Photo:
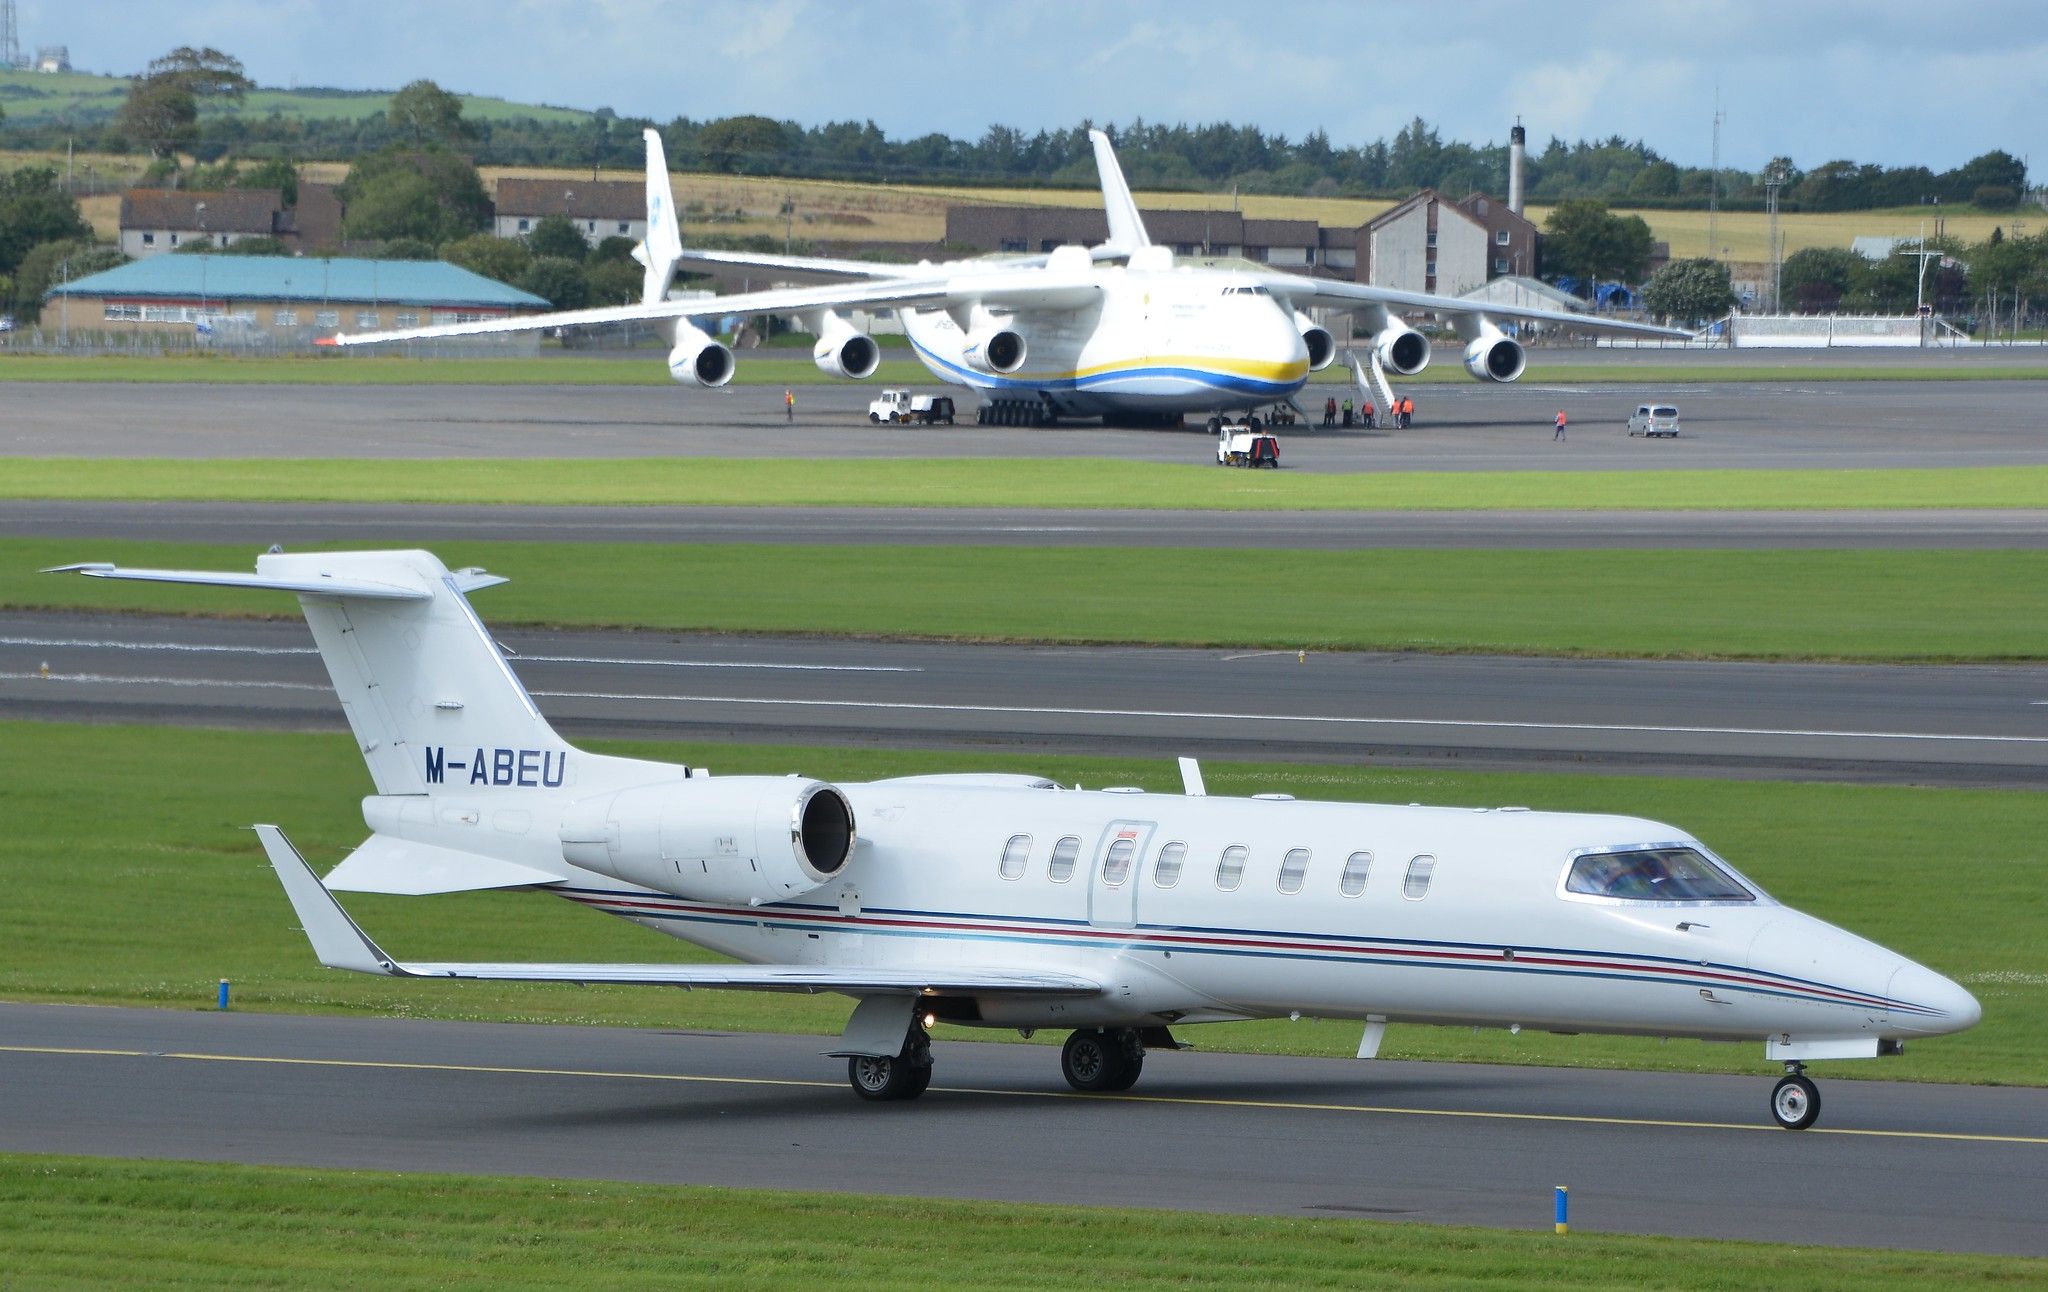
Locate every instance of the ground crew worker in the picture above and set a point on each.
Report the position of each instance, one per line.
(1347, 410)
(1330, 411)
(1407, 412)
(788, 404)
(1367, 414)
(1560, 425)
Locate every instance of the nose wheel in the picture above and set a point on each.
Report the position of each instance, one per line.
(1795, 1100)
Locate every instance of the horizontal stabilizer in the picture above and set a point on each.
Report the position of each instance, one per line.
(318, 585)
(387, 865)
(340, 944)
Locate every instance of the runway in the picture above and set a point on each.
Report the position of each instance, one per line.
(1891, 1165)
(379, 524)
(1955, 725)
(1462, 426)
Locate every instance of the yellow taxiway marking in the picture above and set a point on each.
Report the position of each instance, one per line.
(1192, 1101)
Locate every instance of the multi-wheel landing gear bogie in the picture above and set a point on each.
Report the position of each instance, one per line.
(1103, 1060)
(1016, 412)
(1795, 1100)
(904, 1076)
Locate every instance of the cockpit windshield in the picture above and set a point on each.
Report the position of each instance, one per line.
(1655, 875)
(1246, 291)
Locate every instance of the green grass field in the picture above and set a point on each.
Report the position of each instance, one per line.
(68, 1222)
(30, 97)
(777, 368)
(131, 879)
(1068, 483)
(1855, 605)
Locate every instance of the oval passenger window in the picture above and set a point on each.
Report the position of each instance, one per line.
(1416, 885)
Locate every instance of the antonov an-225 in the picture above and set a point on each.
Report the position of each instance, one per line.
(1117, 331)
(1011, 902)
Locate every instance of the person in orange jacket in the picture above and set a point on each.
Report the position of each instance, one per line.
(1560, 422)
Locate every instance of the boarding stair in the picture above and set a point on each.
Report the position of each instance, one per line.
(1372, 382)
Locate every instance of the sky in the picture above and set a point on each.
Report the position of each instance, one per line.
(1871, 80)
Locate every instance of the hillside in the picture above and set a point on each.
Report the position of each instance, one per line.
(29, 97)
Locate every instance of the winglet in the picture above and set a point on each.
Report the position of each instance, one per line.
(335, 937)
(1126, 227)
(663, 245)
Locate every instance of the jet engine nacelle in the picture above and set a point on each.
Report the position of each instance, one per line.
(1495, 356)
(737, 839)
(844, 351)
(1322, 347)
(1402, 350)
(999, 350)
(699, 359)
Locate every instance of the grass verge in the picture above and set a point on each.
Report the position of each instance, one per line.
(132, 880)
(1858, 605)
(1067, 483)
(85, 1222)
(756, 369)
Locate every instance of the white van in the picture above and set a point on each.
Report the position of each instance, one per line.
(1653, 420)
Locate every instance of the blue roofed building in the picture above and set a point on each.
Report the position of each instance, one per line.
(282, 300)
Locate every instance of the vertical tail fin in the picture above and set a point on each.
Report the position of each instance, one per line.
(425, 689)
(664, 244)
(1126, 227)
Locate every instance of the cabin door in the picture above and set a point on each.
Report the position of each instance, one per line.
(1113, 884)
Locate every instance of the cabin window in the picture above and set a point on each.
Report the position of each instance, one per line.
(1116, 867)
(1230, 867)
(1415, 886)
(1293, 867)
(1654, 875)
(1015, 853)
(1166, 870)
(1357, 867)
(1064, 854)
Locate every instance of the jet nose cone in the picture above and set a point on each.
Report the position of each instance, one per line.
(1924, 1001)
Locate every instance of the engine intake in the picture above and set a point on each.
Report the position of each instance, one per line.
(997, 350)
(844, 351)
(1402, 350)
(738, 839)
(698, 358)
(1494, 356)
(1321, 346)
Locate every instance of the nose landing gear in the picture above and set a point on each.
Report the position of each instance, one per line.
(1795, 1100)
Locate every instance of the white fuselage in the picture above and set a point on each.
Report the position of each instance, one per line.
(1158, 341)
(1490, 937)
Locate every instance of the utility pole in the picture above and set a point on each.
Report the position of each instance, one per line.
(10, 36)
(1714, 184)
(1774, 178)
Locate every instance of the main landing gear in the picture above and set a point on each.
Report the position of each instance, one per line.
(904, 1076)
(1016, 412)
(1103, 1060)
(1795, 1100)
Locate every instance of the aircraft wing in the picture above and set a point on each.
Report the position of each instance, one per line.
(341, 944)
(1334, 294)
(1021, 289)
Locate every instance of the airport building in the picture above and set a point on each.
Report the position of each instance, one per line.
(599, 209)
(1429, 243)
(281, 300)
(157, 220)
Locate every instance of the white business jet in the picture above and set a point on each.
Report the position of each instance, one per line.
(1009, 901)
(1118, 331)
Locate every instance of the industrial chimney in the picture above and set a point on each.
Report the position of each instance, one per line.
(1518, 147)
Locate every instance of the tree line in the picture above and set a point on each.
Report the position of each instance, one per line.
(163, 114)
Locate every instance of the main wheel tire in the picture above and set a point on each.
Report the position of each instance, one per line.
(1795, 1103)
(1134, 1064)
(1093, 1062)
(883, 1079)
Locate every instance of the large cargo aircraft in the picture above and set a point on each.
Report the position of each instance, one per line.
(1119, 331)
(1006, 901)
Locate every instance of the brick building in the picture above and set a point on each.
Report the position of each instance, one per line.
(599, 209)
(157, 220)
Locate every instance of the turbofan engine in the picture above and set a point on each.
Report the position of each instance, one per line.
(699, 359)
(999, 350)
(737, 839)
(844, 351)
(1495, 356)
(1322, 347)
(1402, 350)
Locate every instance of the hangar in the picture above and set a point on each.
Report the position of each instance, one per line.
(279, 299)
